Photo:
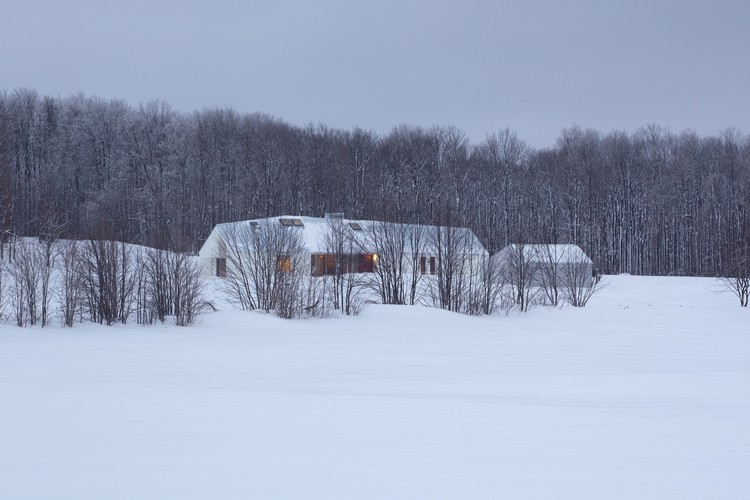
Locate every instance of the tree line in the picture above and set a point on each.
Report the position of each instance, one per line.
(648, 202)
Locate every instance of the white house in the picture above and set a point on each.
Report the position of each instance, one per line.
(561, 262)
(366, 243)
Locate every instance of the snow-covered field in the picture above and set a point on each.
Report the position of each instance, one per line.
(643, 394)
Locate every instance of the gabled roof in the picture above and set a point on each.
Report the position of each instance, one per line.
(546, 252)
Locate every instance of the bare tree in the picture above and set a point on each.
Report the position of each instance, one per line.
(263, 265)
(549, 269)
(739, 286)
(188, 286)
(109, 272)
(455, 271)
(31, 271)
(400, 248)
(3, 274)
(235, 254)
(158, 286)
(578, 283)
(70, 291)
(737, 279)
(485, 286)
(344, 248)
(47, 257)
(518, 272)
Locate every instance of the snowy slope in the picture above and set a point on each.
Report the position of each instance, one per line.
(643, 394)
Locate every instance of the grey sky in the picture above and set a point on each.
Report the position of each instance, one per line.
(533, 66)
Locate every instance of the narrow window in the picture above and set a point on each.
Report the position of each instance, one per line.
(423, 265)
(329, 268)
(283, 263)
(319, 264)
(432, 265)
(221, 267)
(366, 263)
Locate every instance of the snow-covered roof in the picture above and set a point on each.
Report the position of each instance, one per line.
(315, 229)
(547, 252)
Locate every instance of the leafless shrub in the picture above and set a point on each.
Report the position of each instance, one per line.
(347, 282)
(188, 289)
(265, 267)
(108, 274)
(485, 286)
(3, 273)
(578, 284)
(739, 286)
(400, 248)
(172, 285)
(456, 270)
(30, 271)
(548, 273)
(518, 273)
(70, 291)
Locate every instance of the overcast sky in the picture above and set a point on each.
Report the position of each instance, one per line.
(533, 66)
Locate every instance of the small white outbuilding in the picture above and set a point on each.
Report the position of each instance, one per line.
(561, 262)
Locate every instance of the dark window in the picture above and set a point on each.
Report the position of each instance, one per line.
(432, 265)
(423, 265)
(298, 223)
(356, 226)
(286, 222)
(221, 268)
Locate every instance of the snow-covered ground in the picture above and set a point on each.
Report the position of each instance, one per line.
(643, 394)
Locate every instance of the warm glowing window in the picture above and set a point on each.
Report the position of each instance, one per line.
(283, 263)
(329, 264)
(366, 262)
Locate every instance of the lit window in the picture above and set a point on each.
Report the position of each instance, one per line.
(286, 222)
(283, 263)
(297, 223)
(366, 262)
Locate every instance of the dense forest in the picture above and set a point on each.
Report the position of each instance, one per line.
(648, 202)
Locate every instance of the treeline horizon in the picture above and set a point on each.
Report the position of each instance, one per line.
(648, 202)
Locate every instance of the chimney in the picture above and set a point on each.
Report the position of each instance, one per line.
(334, 215)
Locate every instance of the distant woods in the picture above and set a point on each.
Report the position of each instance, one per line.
(650, 202)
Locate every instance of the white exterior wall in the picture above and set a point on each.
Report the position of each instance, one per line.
(313, 231)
